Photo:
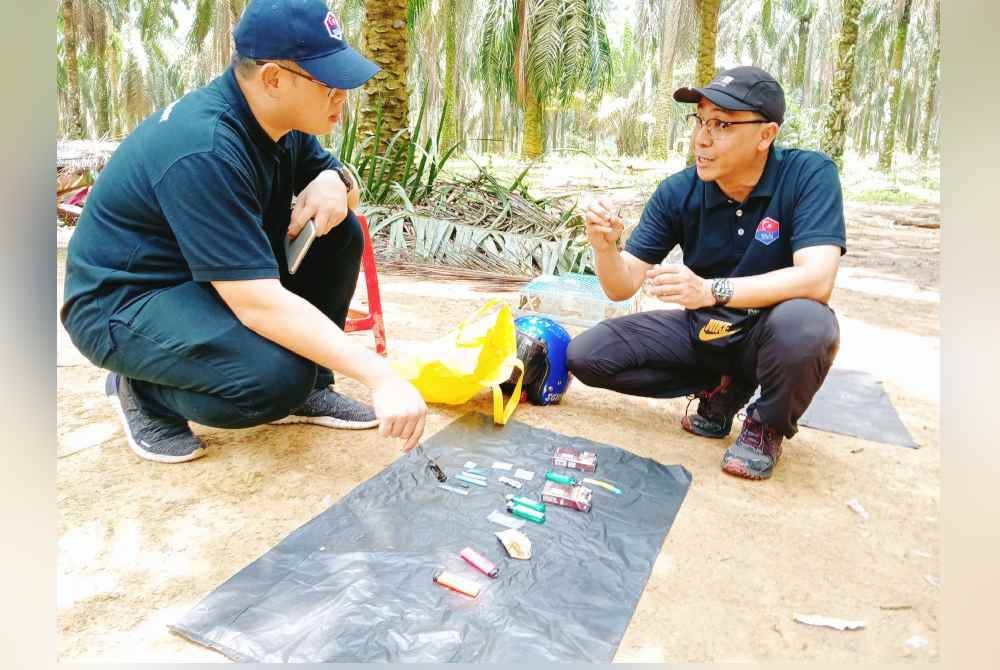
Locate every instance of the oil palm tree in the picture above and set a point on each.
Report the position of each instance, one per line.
(540, 51)
(386, 42)
(74, 113)
(932, 72)
(895, 82)
(836, 121)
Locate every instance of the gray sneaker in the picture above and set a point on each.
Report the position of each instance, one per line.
(326, 407)
(155, 438)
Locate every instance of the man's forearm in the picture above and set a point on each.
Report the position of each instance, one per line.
(614, 275)
(292, 322)
(779, 285)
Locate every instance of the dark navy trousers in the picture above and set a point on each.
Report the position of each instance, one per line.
(787, 353)
(187, 354)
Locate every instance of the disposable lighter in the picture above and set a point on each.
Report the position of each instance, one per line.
(479, 562)
(457, 583)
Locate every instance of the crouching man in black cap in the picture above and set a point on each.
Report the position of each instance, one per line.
(762, 231)
(176, 277)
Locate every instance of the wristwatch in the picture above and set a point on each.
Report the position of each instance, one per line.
(722, 290)
(345, 176)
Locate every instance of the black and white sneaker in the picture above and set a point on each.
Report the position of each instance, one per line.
(155, 438)
(326, 407)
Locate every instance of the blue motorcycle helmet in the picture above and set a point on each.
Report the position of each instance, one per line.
(541, 345)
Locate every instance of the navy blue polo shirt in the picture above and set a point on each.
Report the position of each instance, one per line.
(197, 192)
(796, 204)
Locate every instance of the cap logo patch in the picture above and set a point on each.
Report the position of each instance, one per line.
(333, 27)
(723, 81)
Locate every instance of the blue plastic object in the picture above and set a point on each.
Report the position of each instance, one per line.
(546, 384)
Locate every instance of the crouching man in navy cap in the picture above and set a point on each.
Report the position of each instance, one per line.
(176, 278)
(762, 231)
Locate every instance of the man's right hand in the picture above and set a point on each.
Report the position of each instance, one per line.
(401, 411)
(603, 226)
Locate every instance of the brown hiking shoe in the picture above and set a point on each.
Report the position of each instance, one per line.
(716, 409)
(755, 452)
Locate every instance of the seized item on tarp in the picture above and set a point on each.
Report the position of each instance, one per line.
(526, 475)
(474, 475)
(572, 298)
(568, 457)
(526, 512)
(505, 520)
(455, 489)
(481, 353)
(469, 465)
(500, 465)
(516, 543)
(560, 479)
(525, 502)
(432, 465)
(510, 482)
(462, 477)
(479, 562)
(828, 622)
(574, 497)
(607, 486)
(458, 583)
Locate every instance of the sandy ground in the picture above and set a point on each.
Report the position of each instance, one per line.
(141, 543)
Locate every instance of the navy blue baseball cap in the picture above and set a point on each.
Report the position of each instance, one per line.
(744, 88)
(306, 32)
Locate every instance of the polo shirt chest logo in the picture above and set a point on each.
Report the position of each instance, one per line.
(768, 230)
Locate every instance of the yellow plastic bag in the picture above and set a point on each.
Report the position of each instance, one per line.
(480, 353)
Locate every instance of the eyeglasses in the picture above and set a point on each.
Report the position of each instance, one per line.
(330, 92)
(717, 129)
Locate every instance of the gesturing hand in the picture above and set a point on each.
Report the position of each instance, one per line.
(603, 226)
(679, 285)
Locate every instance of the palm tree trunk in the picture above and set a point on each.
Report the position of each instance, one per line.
(708, 30)
(534, 131)
(835, 129)
(932, 73)
(450, 134)
(387, 44)
(895, 81)
(74, 121)
(663, 103)
(799, 76)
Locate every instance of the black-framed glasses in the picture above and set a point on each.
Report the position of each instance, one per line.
(329, 90)
(717, 128)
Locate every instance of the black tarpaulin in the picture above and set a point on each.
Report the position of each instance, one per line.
(355, 583)
(854, 403)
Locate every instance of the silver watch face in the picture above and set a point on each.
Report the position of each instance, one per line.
(722, 290)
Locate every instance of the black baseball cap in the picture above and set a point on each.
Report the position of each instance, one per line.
(306, 32)
(741, 88)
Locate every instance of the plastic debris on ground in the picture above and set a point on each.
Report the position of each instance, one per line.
(370, 594)
(856, 506)
(828, 622)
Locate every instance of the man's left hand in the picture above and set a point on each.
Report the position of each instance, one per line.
(677, 284)
(324, 200)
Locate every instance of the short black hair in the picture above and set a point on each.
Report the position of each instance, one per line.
(243, 65)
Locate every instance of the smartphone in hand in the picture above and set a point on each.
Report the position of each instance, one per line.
(295, 250)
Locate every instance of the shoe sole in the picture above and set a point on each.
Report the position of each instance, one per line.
(328, 422)
(149, 455)
(738, 468)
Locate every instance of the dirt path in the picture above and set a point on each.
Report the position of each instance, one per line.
(140, 543)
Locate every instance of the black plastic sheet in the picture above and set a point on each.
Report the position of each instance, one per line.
(852, 402)
(355, 583)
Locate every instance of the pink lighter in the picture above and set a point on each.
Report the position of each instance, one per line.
(479, 562)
